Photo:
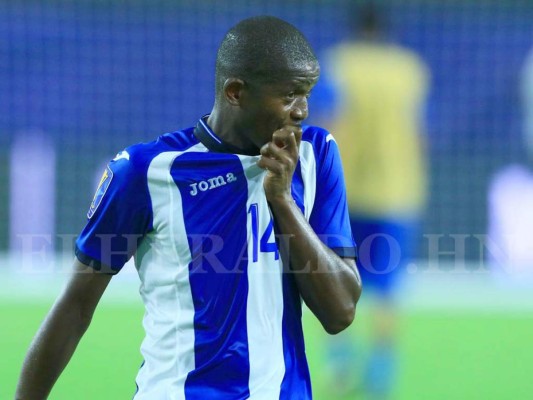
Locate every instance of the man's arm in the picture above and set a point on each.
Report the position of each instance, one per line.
(329, 284)
(61, 332)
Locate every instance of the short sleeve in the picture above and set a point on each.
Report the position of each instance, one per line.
(118, 218)
(329, 217)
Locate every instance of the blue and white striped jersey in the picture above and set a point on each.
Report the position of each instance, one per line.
(222, 320)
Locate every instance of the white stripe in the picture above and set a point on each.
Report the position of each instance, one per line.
(264, 309)
(330, 137)
(162, 262)
(308, 168)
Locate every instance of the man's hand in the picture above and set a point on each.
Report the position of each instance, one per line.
(329, 284)
(279, 157)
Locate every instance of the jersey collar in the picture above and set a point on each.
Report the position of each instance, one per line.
(209, 139)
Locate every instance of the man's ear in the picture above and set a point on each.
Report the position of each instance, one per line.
(233, 90)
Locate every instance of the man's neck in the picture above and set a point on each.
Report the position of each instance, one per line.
(227, 129)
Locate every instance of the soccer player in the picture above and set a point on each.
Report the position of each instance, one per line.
(510, 202)
(381, 89)
(231, 223)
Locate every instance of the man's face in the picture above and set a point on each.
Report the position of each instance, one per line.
(270, 106)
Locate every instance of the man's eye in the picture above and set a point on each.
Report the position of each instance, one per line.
(291, 95)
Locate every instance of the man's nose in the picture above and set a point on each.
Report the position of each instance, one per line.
(300, 109)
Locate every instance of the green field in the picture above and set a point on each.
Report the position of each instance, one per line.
(442, 355)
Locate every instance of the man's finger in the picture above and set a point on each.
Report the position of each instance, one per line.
(270, 165)
(280, 155)
(288, 139)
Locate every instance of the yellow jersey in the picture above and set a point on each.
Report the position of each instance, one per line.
(382, 91)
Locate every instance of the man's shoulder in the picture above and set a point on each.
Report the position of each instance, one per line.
(140, 155)
(315, 134)
(318, 137)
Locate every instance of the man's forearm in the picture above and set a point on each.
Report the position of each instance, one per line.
(329, 285)
(50, 351)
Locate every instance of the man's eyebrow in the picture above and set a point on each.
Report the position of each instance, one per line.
(300, 82)
(295, 86)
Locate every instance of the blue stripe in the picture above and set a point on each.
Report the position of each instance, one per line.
(217, 273)
(296, 384)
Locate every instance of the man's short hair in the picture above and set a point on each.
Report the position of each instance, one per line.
(261, 48)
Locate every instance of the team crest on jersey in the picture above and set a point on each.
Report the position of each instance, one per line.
(100, 191)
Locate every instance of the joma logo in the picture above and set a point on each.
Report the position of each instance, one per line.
(211, 183)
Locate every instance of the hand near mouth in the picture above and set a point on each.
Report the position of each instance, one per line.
(279, 157)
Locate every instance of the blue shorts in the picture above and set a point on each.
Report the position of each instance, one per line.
(385, 247)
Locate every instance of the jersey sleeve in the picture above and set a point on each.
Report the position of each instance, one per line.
(329, 217)
(118, 218)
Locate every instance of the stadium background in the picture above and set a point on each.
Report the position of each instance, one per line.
(91, 77)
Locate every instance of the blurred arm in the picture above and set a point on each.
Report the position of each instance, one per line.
(60, 333)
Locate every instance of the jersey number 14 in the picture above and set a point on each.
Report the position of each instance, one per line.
(264, 244)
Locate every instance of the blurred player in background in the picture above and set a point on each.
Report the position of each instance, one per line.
(510, 202)
(204, 210)
(379, 91)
